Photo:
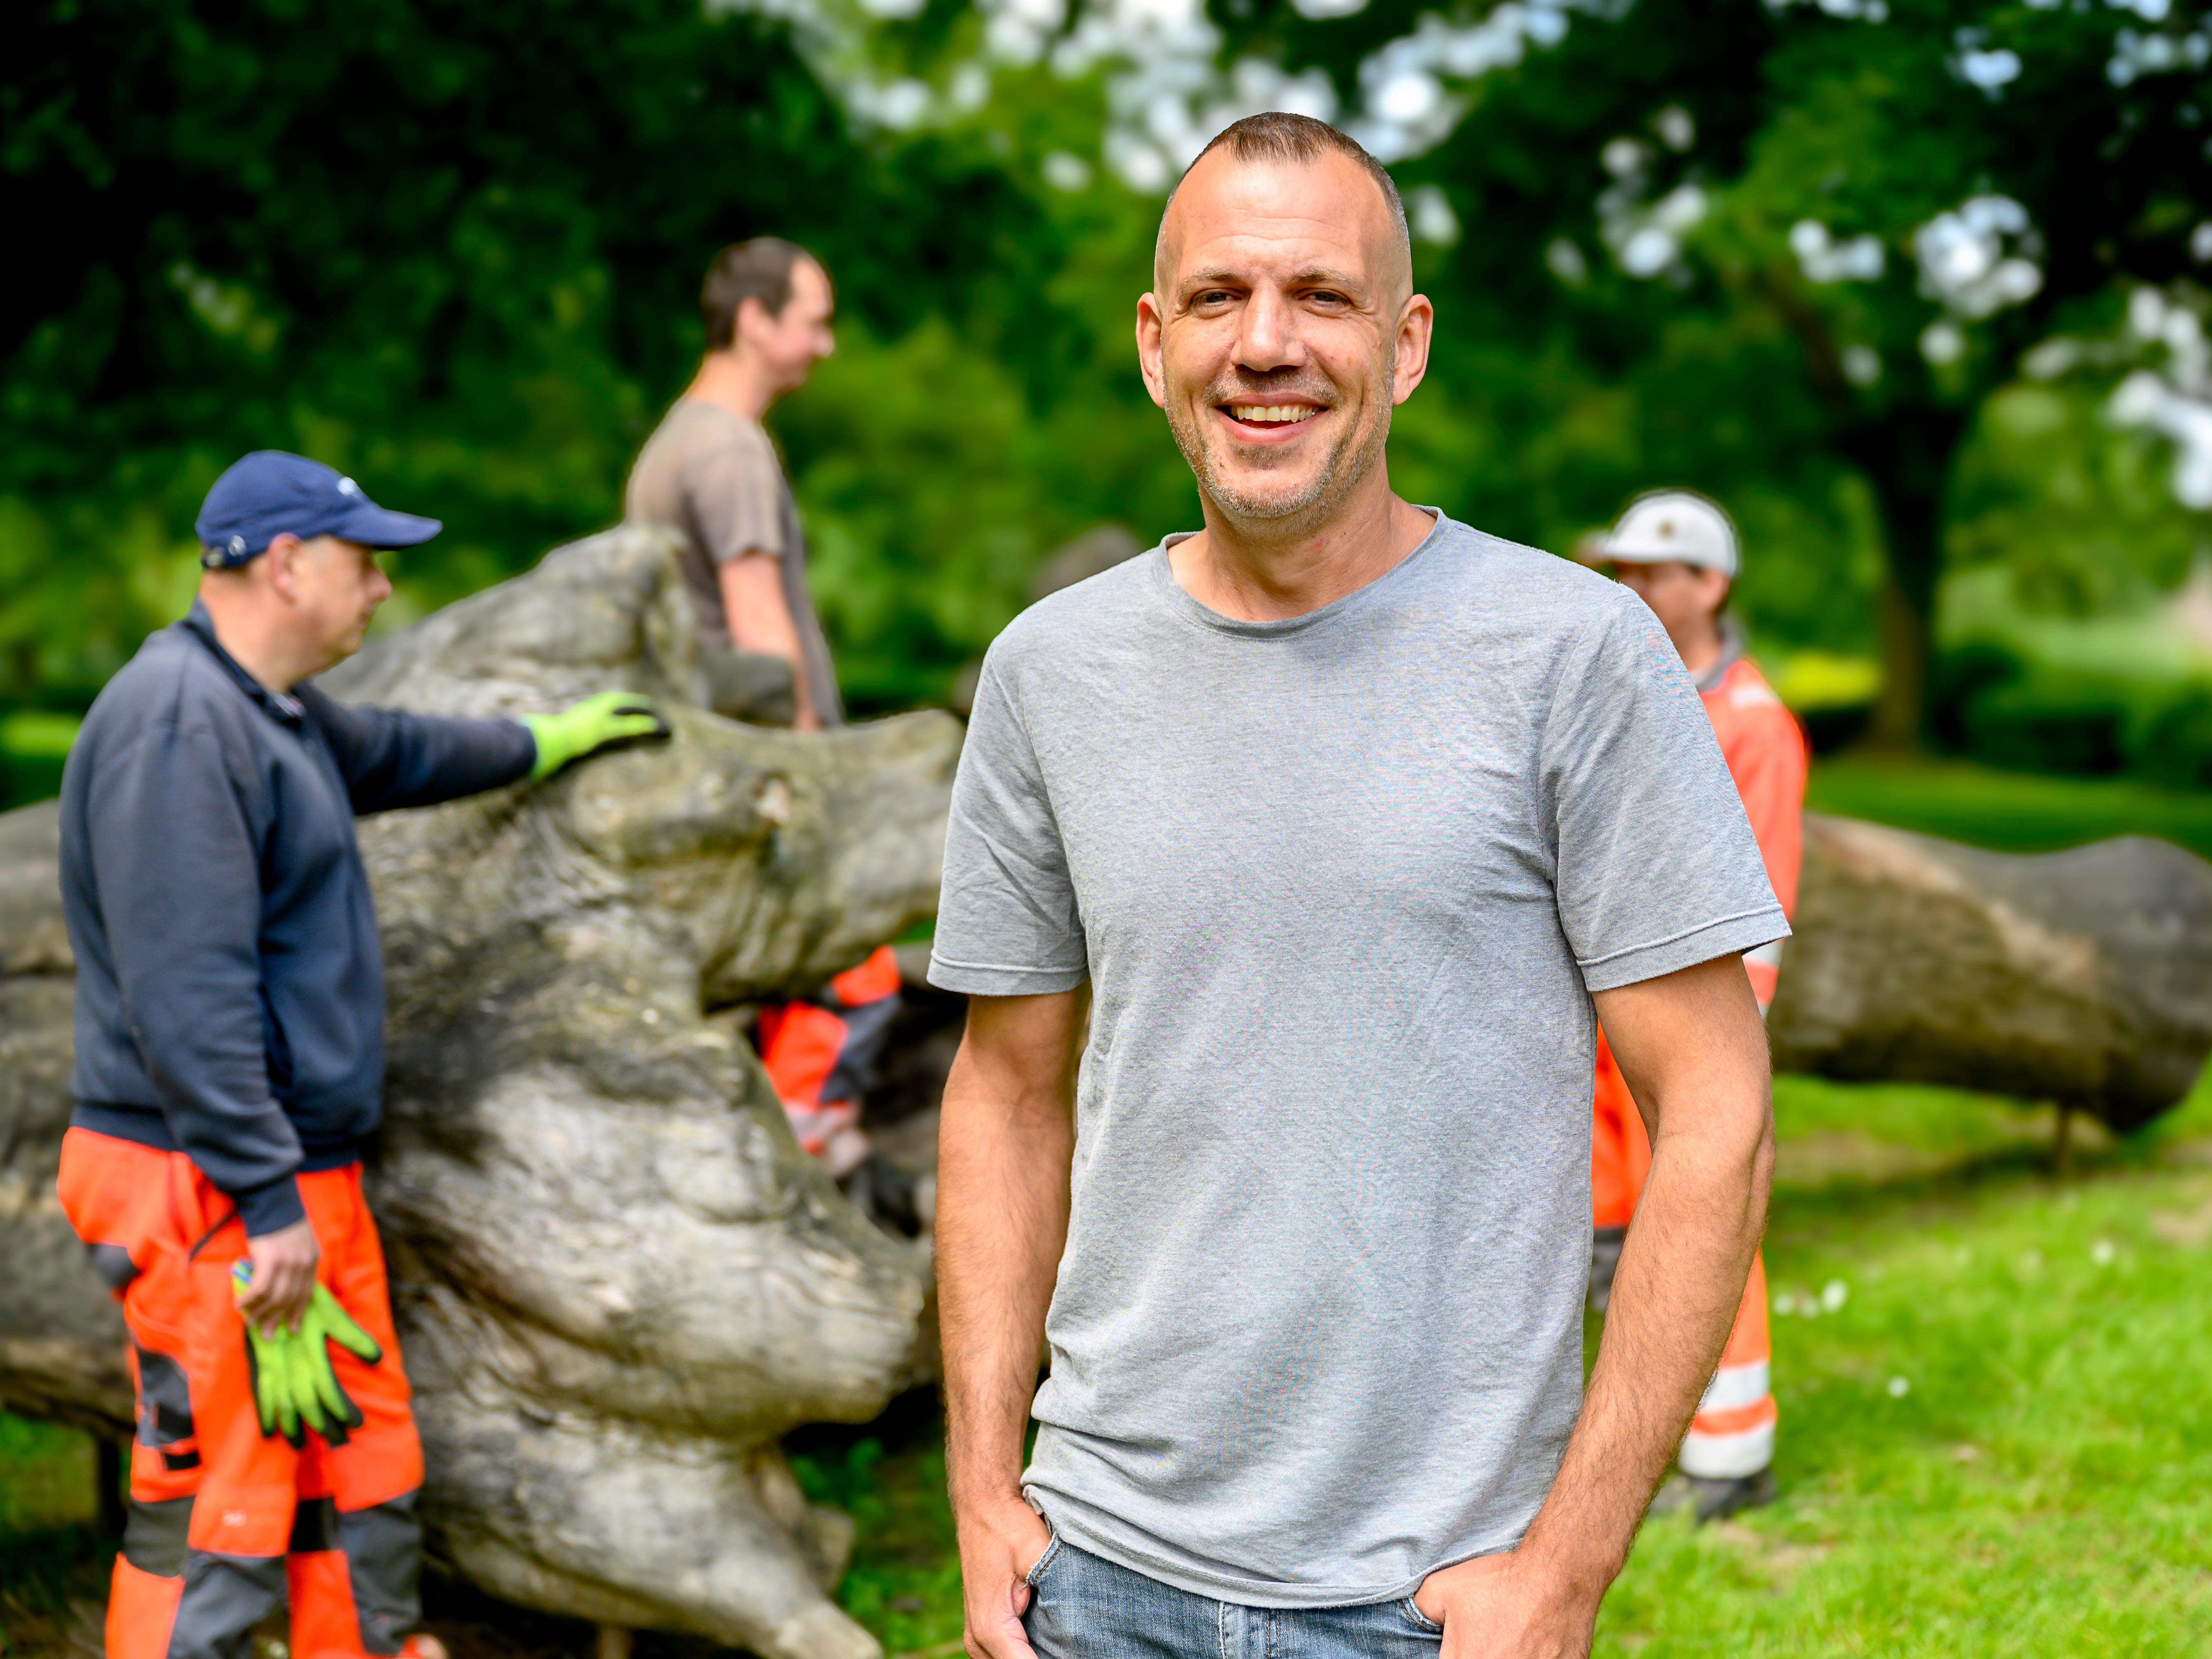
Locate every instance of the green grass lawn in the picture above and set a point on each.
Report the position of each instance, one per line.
(1999, 1444)
(54, 1564)
(2011, 811)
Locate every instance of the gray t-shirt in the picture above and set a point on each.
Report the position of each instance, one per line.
(1341, 886)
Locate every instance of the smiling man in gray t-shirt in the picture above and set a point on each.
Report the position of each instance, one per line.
(1329, 822)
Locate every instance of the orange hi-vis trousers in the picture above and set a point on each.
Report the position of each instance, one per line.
(1733, 1432)
(821, 1055)
(224, 1522)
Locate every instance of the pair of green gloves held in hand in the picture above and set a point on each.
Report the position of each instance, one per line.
(295, 1387)
(588, 726)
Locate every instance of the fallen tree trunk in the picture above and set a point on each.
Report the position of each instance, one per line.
(2083, 976)
(618, 1279)
(61, 1338)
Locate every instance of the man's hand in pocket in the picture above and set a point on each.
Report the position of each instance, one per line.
(1513, 1606)
(998, 1547)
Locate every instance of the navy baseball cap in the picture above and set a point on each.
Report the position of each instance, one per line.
(262, 496)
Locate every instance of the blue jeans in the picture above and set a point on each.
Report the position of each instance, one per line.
(1084, 1607)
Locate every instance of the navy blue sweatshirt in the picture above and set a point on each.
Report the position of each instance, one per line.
(229, 977)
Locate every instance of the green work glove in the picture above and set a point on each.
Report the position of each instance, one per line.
(268, 1362)
(585, 728)
(295, 1387)
(321, 1401)
(265, 1365)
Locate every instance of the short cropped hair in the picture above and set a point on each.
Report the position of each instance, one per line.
(1279, 137)
(757, 270)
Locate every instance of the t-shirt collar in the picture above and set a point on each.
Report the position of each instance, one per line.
(1192, 609)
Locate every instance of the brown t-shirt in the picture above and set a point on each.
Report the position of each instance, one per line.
(713, 476)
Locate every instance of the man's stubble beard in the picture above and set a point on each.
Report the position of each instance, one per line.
(1313, 505)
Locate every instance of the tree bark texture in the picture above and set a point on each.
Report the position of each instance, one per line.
(618, 1279)
(2083, 976)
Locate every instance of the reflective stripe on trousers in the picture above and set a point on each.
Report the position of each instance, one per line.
(1733, 1433)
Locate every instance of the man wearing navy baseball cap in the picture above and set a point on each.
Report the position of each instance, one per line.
(230, 1064)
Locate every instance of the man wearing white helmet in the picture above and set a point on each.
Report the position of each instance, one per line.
(1679, 553)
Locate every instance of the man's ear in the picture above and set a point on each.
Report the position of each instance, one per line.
(753, 320)
(1409, 361)
(282, 560)
(1150, 348)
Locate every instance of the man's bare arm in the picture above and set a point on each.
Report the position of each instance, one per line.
(760, 620)
(1005, 1144)
(1693, 1050)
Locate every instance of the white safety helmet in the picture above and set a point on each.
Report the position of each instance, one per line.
(1675, 523)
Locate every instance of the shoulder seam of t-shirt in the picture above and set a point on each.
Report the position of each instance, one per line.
(756, 446)
(990, 671)
(1044, 615)
(753, 448)
(729, 419)
(1543, 798)
(1756, 911)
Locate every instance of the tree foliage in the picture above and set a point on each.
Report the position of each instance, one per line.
(1802, 238)
(1785, 254)
(451, 245)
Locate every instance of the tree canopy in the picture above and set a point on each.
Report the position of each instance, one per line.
(455, 248)
(1796, 255)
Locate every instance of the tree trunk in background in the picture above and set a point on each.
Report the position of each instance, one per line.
(2083, 976)
(1907, 458)
(1906, 631)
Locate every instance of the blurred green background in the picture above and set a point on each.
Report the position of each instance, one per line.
(1910, 287)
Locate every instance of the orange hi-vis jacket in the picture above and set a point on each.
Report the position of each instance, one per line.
(1733, 1433)
(1764, 750)
(1765, 754)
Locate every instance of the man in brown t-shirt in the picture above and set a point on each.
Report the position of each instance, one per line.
(711, 474)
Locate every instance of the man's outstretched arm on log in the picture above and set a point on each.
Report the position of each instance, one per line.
(1693, 1049)
(1005, 1146)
